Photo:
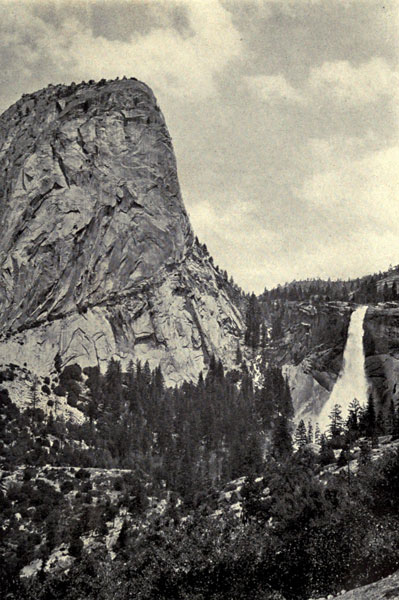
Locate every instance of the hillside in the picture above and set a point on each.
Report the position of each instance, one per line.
(152, 414)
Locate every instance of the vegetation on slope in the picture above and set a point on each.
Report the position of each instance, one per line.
(166, 455)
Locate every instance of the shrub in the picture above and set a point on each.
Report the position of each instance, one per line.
(71, 400)
(59, 390)
(87, 486)
(76, 547)
(82, 474)
(71, 372)
(118, 484)
(28, 474)
(66, 486)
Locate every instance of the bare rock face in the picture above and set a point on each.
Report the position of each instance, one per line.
(310, 353)
(97, 255)
(381, 342)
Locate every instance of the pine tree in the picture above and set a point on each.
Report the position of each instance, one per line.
(310, 432)
(301, 438)
(365, 453)
(343, 458)
(380, 424)
(238, 354)
(385, 292)
(281, 438)
(317, 434)
(336, 421)
(253, 320)
(370, 418)
(395, 428)
(352, 422)
(326, 454)
(391, 417)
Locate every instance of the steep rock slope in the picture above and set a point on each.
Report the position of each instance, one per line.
(381, 343)
(97, 255)
(310, 352)
(387, 588)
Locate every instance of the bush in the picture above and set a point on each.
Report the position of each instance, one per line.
(28, 474)
(59, 390)
(118, 484)
(46, 389)
(82, 474)
(71, 373)
(76, 547)
(67, 486)
(71, 400)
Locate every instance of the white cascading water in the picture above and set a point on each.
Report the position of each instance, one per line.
(352, 382)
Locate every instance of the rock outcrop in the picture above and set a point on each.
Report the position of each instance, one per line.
(97, 255)
(310, 352)
(381, 341)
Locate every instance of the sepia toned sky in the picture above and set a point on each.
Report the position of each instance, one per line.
(283, 114)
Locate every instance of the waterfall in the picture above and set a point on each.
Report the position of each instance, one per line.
(352, 382)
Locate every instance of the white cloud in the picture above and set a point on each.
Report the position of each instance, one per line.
(178, 65)
(337, 83)
(358, 214)
(353, 85)
(273, 88)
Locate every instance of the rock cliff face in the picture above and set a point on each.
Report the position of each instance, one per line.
(310, 352)
(381, 343)
(97, 255)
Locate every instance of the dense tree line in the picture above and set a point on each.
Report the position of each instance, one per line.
(370, 289)
(190, 437)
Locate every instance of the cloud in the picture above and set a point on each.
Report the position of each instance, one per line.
(338, 83)
(345, 83)
(356, 214)
(273, 88)
(176, 64)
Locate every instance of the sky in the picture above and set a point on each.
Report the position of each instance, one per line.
(283, 115)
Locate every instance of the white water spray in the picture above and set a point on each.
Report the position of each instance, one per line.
(352, 382)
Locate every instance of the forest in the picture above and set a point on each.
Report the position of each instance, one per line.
(309, 522)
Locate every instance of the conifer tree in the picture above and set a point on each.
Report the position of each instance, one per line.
(310, 433)
(370, 418)
(336, 421)
(253, 319)
(238, 354)
(352, 422)
(395, 428)
(317, 434)
(391, 417)
(365, 453)
(301, 437)
(281, 438)
(326, 454)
